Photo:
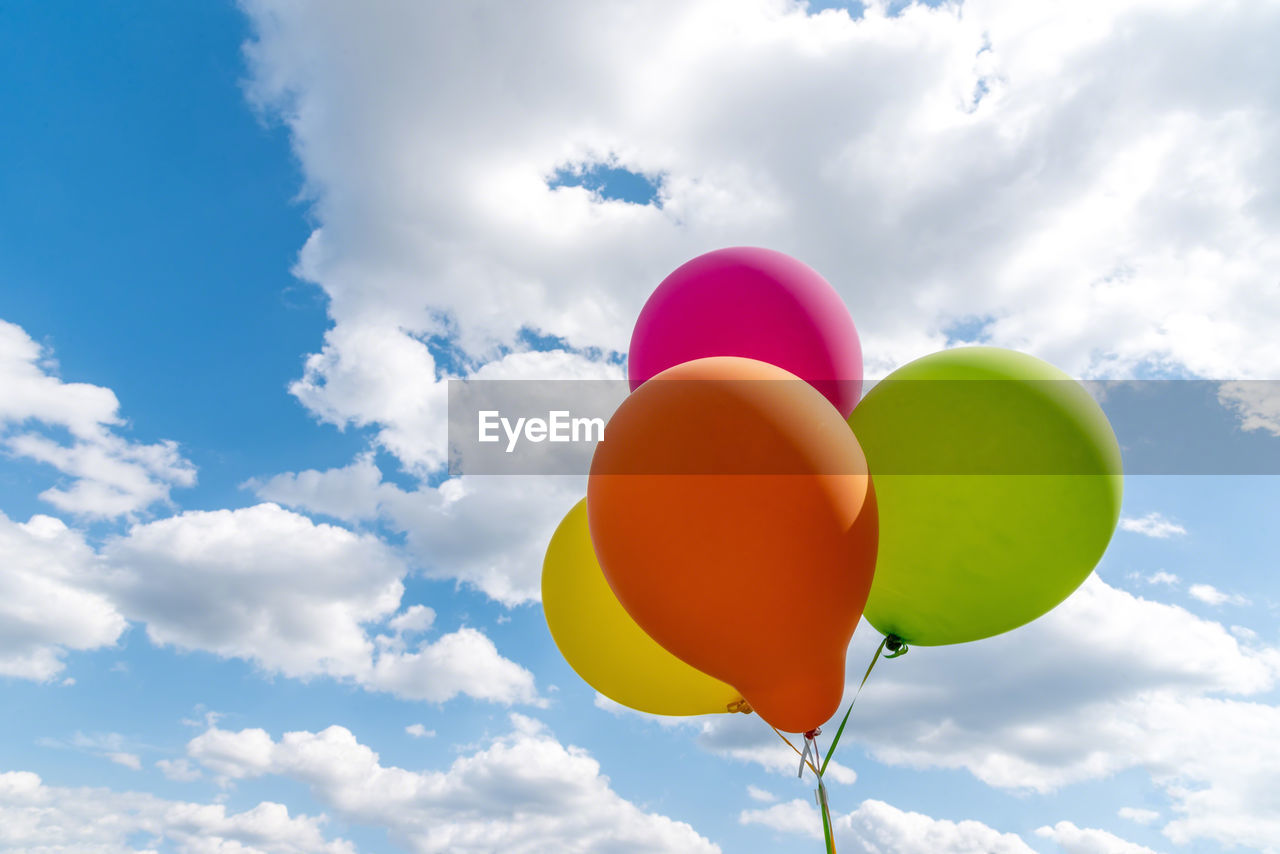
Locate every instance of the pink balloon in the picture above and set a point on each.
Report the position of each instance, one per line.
(755, 303)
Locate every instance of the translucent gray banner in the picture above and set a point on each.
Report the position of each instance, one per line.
(1164, 427)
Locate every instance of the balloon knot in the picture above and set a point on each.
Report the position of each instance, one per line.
(739, 706)
(813, 733)
(895, 645)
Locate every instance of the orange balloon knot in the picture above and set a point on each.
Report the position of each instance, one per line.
(813, 733)
(740, 706)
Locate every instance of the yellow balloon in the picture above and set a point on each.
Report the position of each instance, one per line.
(605, 646)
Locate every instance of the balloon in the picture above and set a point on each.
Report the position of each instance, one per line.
(966, 554)
(754, 303)
(733, 517)
(604, 645)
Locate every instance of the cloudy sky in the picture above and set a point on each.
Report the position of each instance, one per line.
(243, 608)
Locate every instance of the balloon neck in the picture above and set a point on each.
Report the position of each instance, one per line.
(813, 733)
(739, 706)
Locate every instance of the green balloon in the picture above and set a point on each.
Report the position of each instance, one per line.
(998, 480)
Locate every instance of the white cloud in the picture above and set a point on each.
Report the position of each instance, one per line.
(419, 731)
(1257, 404)
(234, 755)
(1138, 814)
(128, 760)
(299, 598)
(1211, 595)
(488, 532)
(523, 792)
(878, 827)
(758, 794)
(1104, 683)
(462, 662)
(179, 770)
(1089, 840)
(258, 583)
(47, 605)
(111, 746)
(1108, 219)
(1076, 187)
(349, 493)
(109, 475)
(1162, 577)
(38, 817)
(414, 621)
(1245, 634)
(1152, 525)
(370, 375)
(796, 817)
(379, 375)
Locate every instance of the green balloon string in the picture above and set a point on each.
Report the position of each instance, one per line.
(896, 648)
(828, 827)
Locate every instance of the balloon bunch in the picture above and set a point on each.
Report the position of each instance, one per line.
(732, 538)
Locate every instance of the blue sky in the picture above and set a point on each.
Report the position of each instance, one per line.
(146, 212)
(268, 229)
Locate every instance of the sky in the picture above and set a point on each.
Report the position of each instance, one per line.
(243, 605)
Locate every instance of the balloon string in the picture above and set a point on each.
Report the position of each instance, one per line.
(896, 648)
(810, 746)
(828, 828)
(793, 747)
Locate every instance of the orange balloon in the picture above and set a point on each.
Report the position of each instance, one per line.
(732, 513)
